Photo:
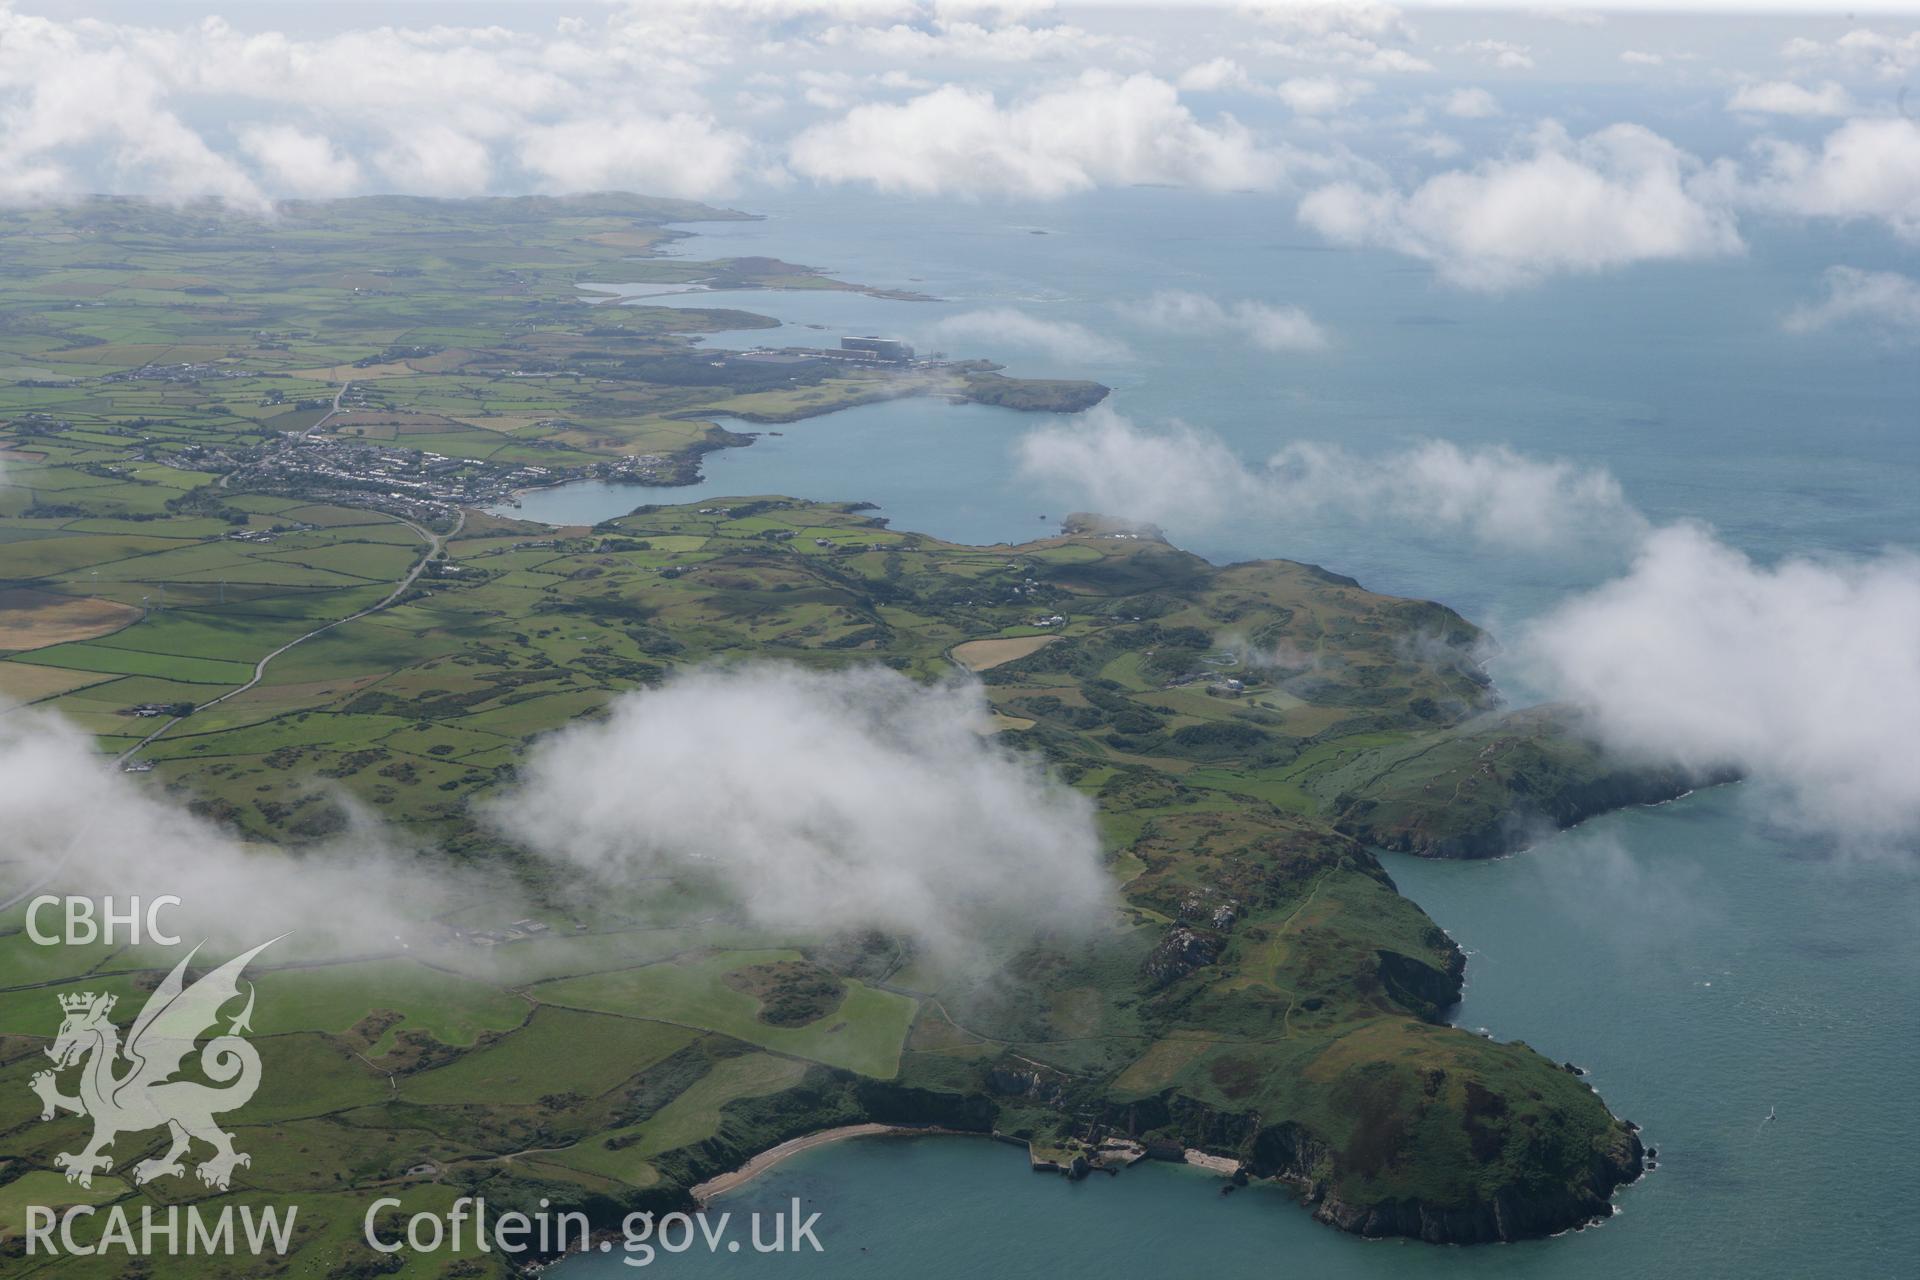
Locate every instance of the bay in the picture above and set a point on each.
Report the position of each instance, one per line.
(1706, 964)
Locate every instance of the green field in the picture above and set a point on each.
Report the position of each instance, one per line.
(863, 1035)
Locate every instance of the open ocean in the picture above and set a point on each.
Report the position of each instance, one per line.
(1703, 964)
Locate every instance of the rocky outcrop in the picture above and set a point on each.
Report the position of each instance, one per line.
(1420, 988)
(1295, 1154)
(1179, 953)
(1436, 831)
(1513, 1213)
(1017, 1078)
(888, 1103)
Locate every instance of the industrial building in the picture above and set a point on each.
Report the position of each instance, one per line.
(877, 348)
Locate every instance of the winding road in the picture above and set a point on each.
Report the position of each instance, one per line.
(434, 541)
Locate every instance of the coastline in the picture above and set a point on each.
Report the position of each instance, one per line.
(704, 1192)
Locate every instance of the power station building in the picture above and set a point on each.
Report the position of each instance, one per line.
(877, 348)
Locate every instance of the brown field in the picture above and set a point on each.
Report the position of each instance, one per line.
(133, 354)
(353, 373)
(400, 418)
(1155, 1069)
(34, 619)
(504, 422)
(21, 683)
(445, 361)
(980, 655)
(170, 282)
(629, 239)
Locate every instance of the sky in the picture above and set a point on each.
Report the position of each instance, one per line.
(1501, 148)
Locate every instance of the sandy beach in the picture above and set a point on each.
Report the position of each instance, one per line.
(753, 1168)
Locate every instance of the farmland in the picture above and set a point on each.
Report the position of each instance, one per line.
(1247, 733)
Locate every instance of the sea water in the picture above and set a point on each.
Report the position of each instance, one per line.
(1709, 968)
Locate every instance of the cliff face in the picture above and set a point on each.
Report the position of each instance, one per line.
(1512, 1212)
(1493, 786)
(1540, 1202)
(1419, 987)
(1032, 395)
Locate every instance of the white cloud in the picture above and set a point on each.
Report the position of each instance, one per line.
(1060, 340)
(679, 155)
(1102, 130)
(436, 160)
(1649, 58)
(1619, 196)
(818, 801)
(1304, 95)
(1502, 54)
(300, 163)
(1362, 35)
(1330, 17)
(1320, 95)
(1264, 325)
(1213, 75)
(960, 40)
(996, 11)
(1470, 104)
(63, 95)
(1885, 301)
(100, 104)
(1805, 673)
(1862, 49)
(1492, 496)
(1865, 169)
(1440, 146)
(80, 825)
(1784, 98)
(1114, 467)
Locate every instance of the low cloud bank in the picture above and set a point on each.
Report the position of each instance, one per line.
(1882, 301)
(1061, 340)
(1785, 98)
(75, 821)
(1491, 495)
(1805, 673)
(1866, 170)
(1101, 130)
(819, 801)
(1618, 196)
(1565, 205)
(1260, 324)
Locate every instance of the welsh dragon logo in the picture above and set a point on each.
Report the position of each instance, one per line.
(144, 1095)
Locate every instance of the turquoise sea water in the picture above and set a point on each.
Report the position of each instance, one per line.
(1704, 964)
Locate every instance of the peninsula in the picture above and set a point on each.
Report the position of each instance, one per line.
(243, 551)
